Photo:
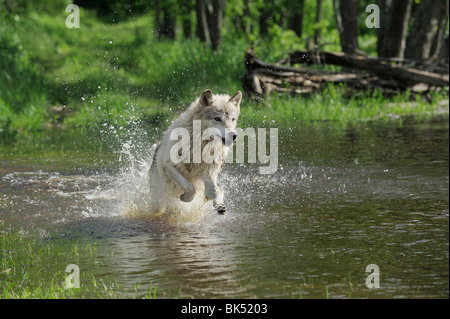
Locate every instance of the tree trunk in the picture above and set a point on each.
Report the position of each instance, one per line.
(394, 41)
(296, 17)
(378, 66)
(158, 24)
(214, 20)
(264, 15)
(187, 28)
(187, 22)
(427, 19)
(317, 20)
(346, 20)
(244, 25)
(385, 6)
(338, 18)
(169, 23)
(202, 30)
(443, 53)
(439, 39)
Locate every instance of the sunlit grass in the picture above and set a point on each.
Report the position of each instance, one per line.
(334, 106)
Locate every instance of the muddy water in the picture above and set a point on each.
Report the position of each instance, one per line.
(343, 198)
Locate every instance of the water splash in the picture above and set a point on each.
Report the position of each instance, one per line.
(129, 192)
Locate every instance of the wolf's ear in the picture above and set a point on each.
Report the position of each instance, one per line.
(236, 99)
(206, 98)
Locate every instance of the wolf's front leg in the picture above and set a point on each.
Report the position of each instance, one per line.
(212, 191)
(189, 189)
(218, 203)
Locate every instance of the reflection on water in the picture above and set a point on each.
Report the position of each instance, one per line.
(341, 199)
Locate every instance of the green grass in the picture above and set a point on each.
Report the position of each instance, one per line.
(114, 74)
(33, 264)
(333, 106)
(101, 71)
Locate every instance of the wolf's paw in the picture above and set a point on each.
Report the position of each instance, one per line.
(187, 197)
(220, 208)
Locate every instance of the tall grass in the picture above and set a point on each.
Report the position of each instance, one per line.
(23, 100)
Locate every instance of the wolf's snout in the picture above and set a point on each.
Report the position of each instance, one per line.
(229, 138)
(232, 137)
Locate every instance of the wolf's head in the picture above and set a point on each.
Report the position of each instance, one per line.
(220, 112)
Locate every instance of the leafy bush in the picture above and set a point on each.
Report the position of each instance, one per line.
(22, 87)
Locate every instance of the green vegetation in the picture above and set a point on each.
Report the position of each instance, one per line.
(113, 76)
(109, 73)
(64, 91)
(33, 266)
(333, 105)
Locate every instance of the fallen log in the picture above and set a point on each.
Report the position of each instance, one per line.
(381, 67)
(365, 74)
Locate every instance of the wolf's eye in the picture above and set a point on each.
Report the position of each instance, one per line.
(233, 119)
(217, 119)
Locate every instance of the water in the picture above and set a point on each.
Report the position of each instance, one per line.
(342, 198)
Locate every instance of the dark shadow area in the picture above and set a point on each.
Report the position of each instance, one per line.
(114, 11)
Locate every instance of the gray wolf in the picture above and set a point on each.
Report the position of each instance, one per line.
(184, 168)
